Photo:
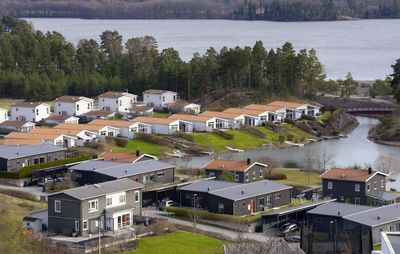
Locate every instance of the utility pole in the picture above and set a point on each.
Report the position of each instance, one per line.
(194, 212)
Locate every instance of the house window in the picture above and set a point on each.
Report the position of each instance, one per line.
(254, 175)
(120, 102)
(122, 199)
(137, 196)
(261, 202)
(85, 225)
(221, 207)
(382, 183)
(37, 112)
(57, 206)
(163, 98)
(268, 200)
(375, 185)
(247, 177)
(161, 174)
(330, 185)
(88, 106)
(109, 202)
(367, 186)
(244, 204)
(76, 226)
(174, 98)
(237, 177)
(277, 196)
(261, 173)
(357, 187)
(93, 206)
(77, 106)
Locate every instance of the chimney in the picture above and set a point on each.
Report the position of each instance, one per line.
(248, 161)
(137, 153)
(369, 170)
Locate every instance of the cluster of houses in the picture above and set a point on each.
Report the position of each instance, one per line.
(77, 120)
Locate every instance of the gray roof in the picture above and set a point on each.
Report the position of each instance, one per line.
(339, 209)
(208, 185)
(377, 216)
(385, 196)
(248, 190)
(23, 151)
(120, 170)
(120, 208)
(100, 189)
(394, 239)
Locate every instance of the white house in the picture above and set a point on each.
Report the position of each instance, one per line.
(160, 125)
(192, 108)
(28, 138)
(275, 113)
(72, 105)
(70, 137)
(21, 126)
(252, 117)
(127, 129)
(99, 130)
(3, 115)
(55, 119)
(119, 102)
(29, 111)
(202, 122)
(97, 114)
(294, 110)
(236, 120)
(159, 98)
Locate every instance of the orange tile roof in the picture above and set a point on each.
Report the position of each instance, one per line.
(55, 131)
(229, 165)
(71, 98)
(155, 91)
(347, 174)
(29, 135)
(20, 141)
(155, 120)
(288, 104)
(86, 127)
(187, 117)
(221, 114)
(244, 111)
(271, 108)
(112, 94)
(118, 123)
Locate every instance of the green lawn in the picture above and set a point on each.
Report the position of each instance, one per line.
(298, 134)
(325, 116)
(297, 177)
(217, 143)
(143, 146)
(161, 115)
(178, 242)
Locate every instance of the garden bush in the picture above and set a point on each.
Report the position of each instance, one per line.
(290, 121)
(276, 176)
(152, 138)
(224, 134)
(307, 117)
(290, 164)
(184, 135)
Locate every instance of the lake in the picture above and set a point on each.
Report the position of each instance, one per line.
(366, 48)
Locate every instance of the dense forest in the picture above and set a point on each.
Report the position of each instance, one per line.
(38, 66)
(277, 10)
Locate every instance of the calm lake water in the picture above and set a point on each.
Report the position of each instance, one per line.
(356, 149)
(366, 48)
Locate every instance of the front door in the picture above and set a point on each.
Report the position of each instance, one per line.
(93, 226)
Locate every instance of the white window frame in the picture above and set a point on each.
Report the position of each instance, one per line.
(55, 206)
(254, 175)
(123, 196)
(107, 199)
(368, 187)
(330, 185)
(237, 177)
(96, 208)
(83, 225)
(277, 196)
(355, 187)
(261, 172)
(76, 225)
(382, 183)
(138, 196)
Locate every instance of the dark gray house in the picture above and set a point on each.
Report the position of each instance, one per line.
(357, 186)
(346, 228)
(145, 172)
(234, 198)
(13, 158)
(81, 211)
(243, 171)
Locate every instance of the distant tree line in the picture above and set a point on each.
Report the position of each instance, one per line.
(279, 10)
(38, 66)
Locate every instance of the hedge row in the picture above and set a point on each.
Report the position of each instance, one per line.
(27, 171)
(152, 139)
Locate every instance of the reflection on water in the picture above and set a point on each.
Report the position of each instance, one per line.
(356, 149)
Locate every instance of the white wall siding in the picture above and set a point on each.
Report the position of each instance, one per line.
(34, 114)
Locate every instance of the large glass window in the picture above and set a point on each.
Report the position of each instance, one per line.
(57, 206)
(357, 187)
(109, 201)
(330, 185)
(137, 196)
(93, 206)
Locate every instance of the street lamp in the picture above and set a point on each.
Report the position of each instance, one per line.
(194, 211)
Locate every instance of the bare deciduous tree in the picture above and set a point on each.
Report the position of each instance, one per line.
(387, 164)
(325, 159)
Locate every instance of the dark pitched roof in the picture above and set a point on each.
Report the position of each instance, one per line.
(124, 157)
(99, 113)
(155, 91)
(30, 219)
(208, 185)
(71, 98)
(385, 196)
(114, 94)
(29, 150)
(349, 174)
(339, 209)
(100, 189)
(377, 215)
(394, 241)
(120, 170)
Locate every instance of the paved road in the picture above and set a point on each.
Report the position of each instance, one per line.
(224, 232)
(35, 190)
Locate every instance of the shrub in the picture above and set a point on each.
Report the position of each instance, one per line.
(98, 146)
(307, 117)
(276, 176)
(290, 136)
(118, 141)
(152, 139)
(184, 135)
(224, 134)
(290, 164)
(270, 126)
(290, 121)
(281, 138)
(19, 194)
(255, 132)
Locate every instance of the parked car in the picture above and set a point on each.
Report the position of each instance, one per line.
(292, 239)
(290, 228)
(166, 203)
